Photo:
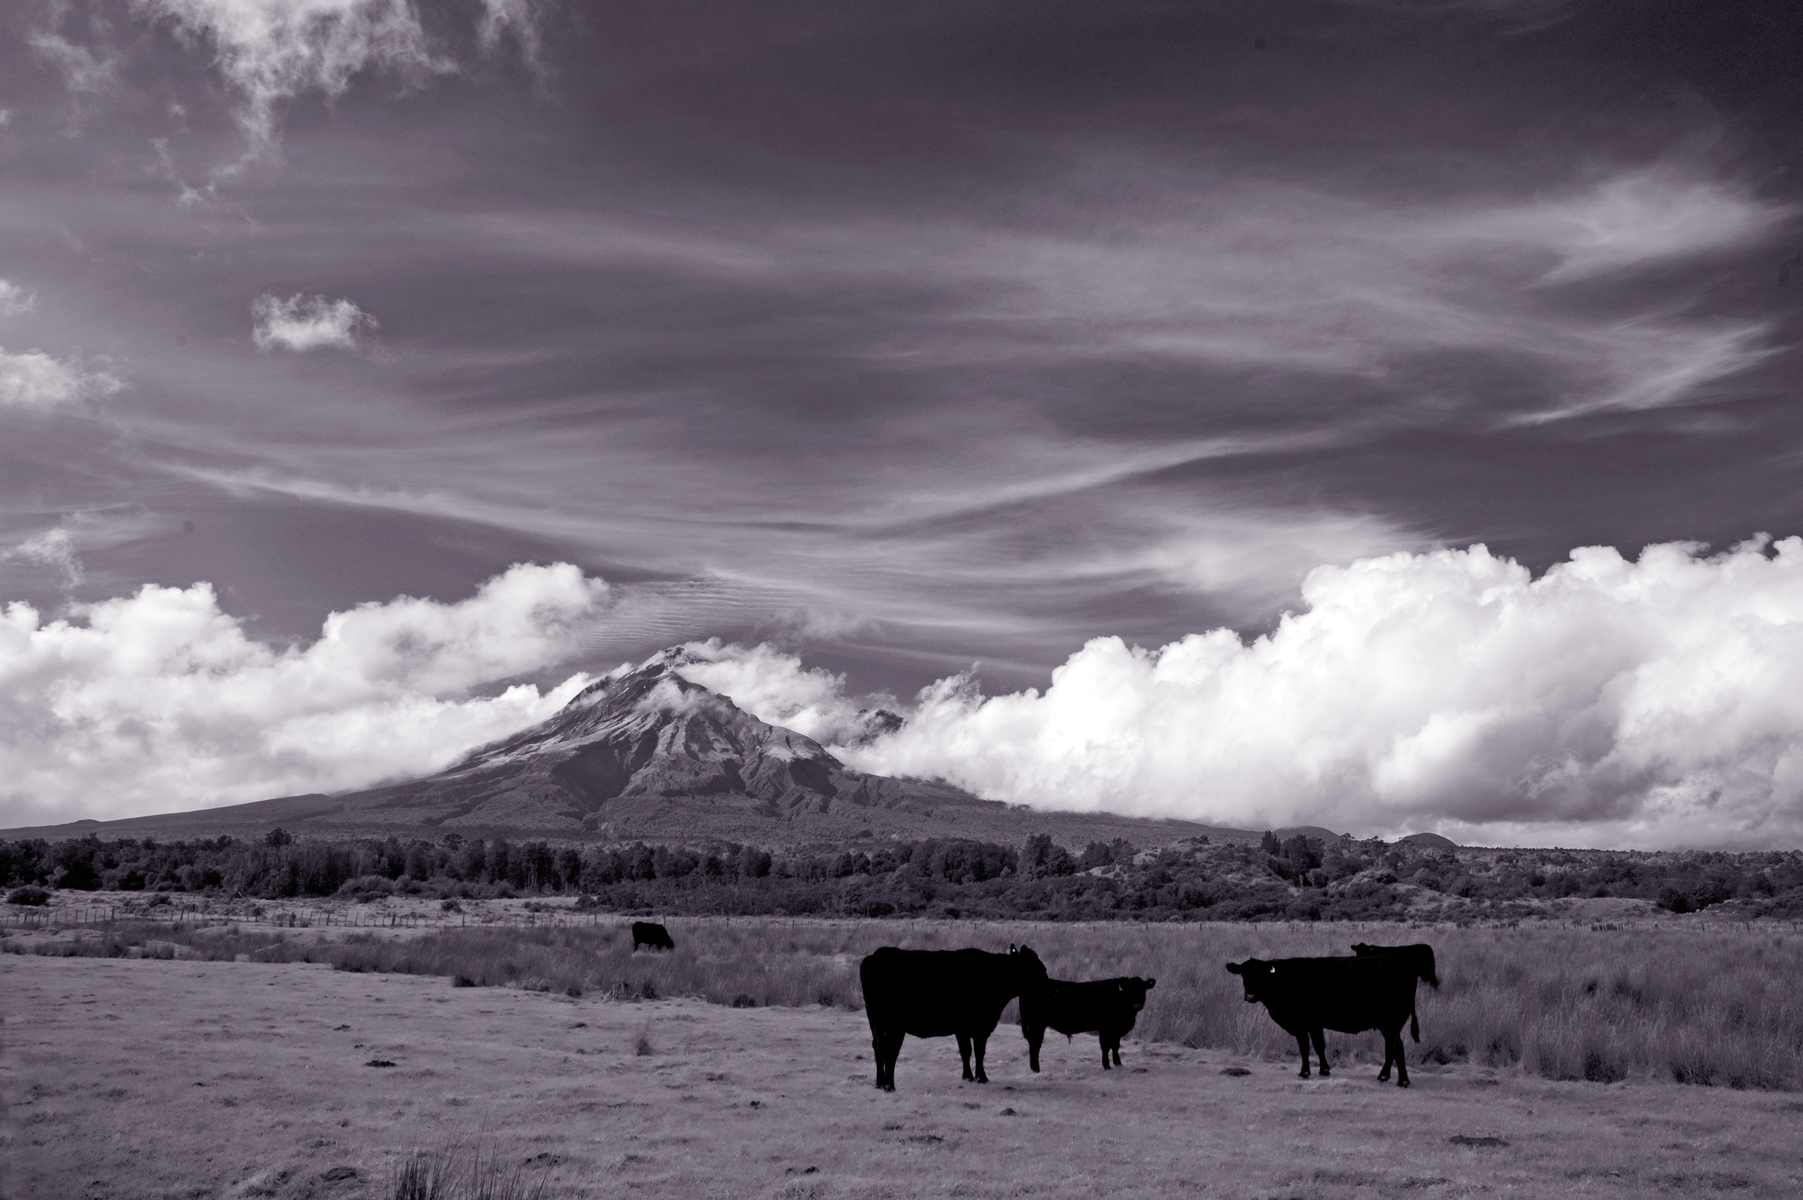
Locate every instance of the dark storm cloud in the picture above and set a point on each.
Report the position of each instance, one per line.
(910, 334)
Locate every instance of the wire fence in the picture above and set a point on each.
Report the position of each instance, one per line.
(78, 916)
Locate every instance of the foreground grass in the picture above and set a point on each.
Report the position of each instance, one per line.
(1709, 1007)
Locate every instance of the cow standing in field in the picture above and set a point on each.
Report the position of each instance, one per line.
(941, 993)
(1306, 996)
(1105, 1007)
(652, 935)
(1420, 955)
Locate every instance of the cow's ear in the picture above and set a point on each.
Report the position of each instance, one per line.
(1012, 949)
(1233, 968)
(1150, 984)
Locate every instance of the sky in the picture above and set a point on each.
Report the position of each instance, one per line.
(1377, 414)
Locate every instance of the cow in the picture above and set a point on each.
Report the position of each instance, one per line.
(1306, 996)
(1105, 1007)
(1421, 955)
(651, 934)
(941, 993)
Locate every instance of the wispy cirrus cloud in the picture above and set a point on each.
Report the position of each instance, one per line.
(302, 323)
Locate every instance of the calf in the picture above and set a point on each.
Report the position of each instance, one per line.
(651, 934)
(940, 993)
(1105, 1007)
(1306, 996)
(1420, 955)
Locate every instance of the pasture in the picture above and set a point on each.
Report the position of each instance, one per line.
(1552, 1062)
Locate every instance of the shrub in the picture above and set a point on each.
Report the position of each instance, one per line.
(28, 894)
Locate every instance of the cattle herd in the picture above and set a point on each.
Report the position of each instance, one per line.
(961, 994)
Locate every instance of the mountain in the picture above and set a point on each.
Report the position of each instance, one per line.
(646, 754)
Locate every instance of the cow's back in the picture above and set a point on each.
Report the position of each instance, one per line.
(1346, 994)
(935, 993)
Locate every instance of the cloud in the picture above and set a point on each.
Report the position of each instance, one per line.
(85, 73)
(1255, 276)
(1608, 702)
(270, 51)
(161, 701)
(53, 548)
(775, 687)
(517, 17)
(306, 322)
(15, 300)
(32, 379)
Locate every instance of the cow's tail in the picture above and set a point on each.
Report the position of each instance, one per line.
(1414, 1026)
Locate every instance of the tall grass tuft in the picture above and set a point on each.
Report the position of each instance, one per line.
(463, 1172)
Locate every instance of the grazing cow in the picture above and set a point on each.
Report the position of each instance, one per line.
(1421, 955)
(650, 933)
(1308, 995)
(940, 993)
(1105, 1007)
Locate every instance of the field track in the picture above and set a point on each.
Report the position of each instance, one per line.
(163, 1079)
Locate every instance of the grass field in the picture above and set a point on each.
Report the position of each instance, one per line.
(129, 1079)
(1709, 1006)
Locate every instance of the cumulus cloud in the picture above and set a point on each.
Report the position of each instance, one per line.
(32, 379)
(306, 322)
(15, 300)
(161, 701)
(270, 51)
(1608, 702)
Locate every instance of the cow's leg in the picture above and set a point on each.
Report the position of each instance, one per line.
(1108, 1044)
(1394, 1037)
(893, 1052)
(1383, 1076)
(1035, 1038)
(981, 1041)
(1302, 1045)
(1320, 1050)
(879, 1043)
(964, 1053)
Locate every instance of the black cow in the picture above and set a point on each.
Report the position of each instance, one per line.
(1421, 955)
(650, 933)
(1105, 1007)
(940, 993)
(1308, 995)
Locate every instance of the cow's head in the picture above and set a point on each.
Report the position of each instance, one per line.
(1257, 975)
(1133, 991)
(1027, 962)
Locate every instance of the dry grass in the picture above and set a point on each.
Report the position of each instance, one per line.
(1709, 1006)
(463, 1171)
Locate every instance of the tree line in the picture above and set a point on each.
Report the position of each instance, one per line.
(1295, 878)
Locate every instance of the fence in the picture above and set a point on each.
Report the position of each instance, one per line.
(76, 916)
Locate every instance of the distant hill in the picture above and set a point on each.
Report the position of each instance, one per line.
(646, 754)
